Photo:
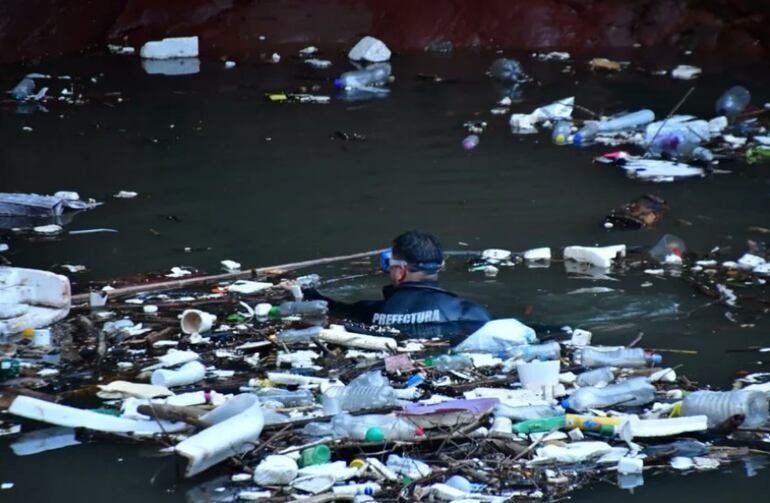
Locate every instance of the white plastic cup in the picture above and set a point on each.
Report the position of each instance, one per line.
(189, 373)
(195, 321)
(540, 377)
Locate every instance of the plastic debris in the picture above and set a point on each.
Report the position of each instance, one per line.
(167, 48)
(370, 49)
(686, 72)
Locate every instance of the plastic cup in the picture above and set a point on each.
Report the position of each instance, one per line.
(195, 321)
(539, 377)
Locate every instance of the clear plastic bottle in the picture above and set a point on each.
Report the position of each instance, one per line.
(602, 375)
(298, 398)
(301, 308)
(719, 406)
(369, 390)
(528, 352)
(526, 412)
(393, 427)
(626, 121)
(733, 101)
(373, 75)
(591, 357)
(561, 132)
(412, 468)
(669, 244)
(298, 335)
(507, 70)
(631, 392)
(452, 362)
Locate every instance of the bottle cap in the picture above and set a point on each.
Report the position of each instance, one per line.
(655, 358)
(419, 432)
(578, 139)
(28, 332)
(338, 83)
(275, 311)
(357, 463)
(565, 403)
(375, 435)
(560, 139)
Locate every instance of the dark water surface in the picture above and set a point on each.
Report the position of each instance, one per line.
(263, 183)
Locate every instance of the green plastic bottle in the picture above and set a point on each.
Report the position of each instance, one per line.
(317, 455)
(539, 425)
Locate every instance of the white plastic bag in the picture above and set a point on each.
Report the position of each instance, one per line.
(498, 335)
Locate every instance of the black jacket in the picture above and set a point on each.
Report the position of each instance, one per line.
(411, 303)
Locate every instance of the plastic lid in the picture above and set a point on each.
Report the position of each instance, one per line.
(560, 139)
(656, 358)
(338, 83)
(565, 403)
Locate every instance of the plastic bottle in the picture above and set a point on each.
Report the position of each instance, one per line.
(719, 406)
(356, 427)
(302, 308)
(591, 357)
(23, 89)
(561, 132)
(528, 352)
(451, 362)
(470, 142)
(598, 424)
(626, 121)
(316, 455)
(506, 70)
(412, 468)
(636, 391)
(539, 425)
(298, 398)
(296, 335)
(526, 412)
(594, 377)
(373, 75)
(366, 391)
(365, 488)
(733, 101)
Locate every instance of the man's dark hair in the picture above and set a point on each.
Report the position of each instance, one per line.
(421, 250)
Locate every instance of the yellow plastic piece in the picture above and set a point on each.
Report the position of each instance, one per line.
(576, 421)
(676, 410)
(357, 463)
(28, 332)
(277, 97)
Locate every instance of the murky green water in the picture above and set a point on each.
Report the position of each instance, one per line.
(218, 168)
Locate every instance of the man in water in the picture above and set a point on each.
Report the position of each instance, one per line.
(413, 296)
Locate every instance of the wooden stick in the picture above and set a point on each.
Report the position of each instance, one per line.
(249, 273)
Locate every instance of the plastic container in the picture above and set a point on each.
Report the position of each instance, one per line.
(316, 455)
(373, 75)
(23, 89)
(592, 357)
(470, 142)
(561, 132)
(733, 101)
(719, 406)
(299, 335)
(541, 377)
(507, 70)
(301, 308)
(445, 363)
(602, 375)
(636, 391)
(299, 398)
(622, 122)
